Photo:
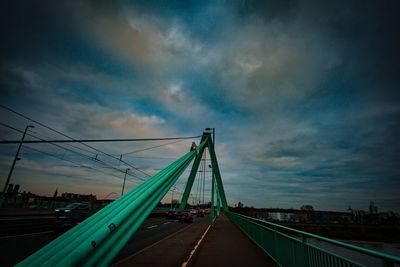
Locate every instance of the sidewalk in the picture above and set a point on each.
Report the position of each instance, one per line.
(227, 245)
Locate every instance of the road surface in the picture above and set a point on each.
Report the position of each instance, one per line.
(15, 248)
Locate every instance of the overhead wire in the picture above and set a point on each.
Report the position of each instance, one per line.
(67, 144)
(148, 148)
(67, 160)
(96, 149)
(75, 152)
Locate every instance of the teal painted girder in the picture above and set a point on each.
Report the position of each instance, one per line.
(193, 172)
(97, 240)
(215, 170)
(217, 174)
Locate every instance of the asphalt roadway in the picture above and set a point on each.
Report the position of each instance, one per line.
(16, 248)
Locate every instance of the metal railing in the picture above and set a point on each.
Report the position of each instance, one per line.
(290, 247)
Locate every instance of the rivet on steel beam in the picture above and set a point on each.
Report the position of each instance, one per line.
(112, 227)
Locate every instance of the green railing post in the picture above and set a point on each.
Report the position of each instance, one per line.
(305, 250)
(275, 244)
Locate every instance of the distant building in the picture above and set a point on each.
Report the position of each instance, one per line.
(10, 189)
(78, 197)
(372, 208)
(280, 216)
(16, 189)
(240, 205)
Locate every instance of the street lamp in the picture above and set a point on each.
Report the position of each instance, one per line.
(13, 165)
(123, 185)
(172, 198)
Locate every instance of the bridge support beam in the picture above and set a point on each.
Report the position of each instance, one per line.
(217, 174)
(212, 199)
(192, 175)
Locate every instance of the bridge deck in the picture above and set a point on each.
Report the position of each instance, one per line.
(227, 245)
(171, 251)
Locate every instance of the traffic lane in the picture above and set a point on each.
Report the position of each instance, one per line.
(149, 234)
(11, 226)
(19, 247)
(27, 217)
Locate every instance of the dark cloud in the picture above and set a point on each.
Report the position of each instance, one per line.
(303, 94)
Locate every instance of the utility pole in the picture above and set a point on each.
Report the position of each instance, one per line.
(123, 185)
(13, 165)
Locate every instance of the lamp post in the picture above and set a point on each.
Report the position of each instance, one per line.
(123, 185)
(13, 165)
(172, 197)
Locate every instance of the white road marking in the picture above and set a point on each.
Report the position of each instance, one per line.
(195, 248)
(167, 222)
(152, 226)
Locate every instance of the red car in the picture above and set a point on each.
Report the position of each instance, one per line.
(171, 214)
(200, 213)
(185, 217)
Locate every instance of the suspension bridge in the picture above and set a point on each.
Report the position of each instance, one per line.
(229, 239)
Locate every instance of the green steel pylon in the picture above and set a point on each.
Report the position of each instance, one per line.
(215, 171)
(192, 175)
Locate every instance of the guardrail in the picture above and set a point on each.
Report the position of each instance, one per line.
(280, 243)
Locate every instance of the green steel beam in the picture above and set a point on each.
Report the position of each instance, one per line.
(192, 175)
(212, 199)
(97, 240)
(218, 202)
(217, 173)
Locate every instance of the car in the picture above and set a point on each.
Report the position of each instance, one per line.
(72, 215)
(193, 212)
(171, 214)
(185, 217)
(71, 207)
(200, 213)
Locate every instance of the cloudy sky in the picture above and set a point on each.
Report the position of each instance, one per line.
(303, 95)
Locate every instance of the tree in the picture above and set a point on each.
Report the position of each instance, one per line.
(307, 208)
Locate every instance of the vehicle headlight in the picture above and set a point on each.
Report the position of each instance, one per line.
(67, 210)
(57, 210)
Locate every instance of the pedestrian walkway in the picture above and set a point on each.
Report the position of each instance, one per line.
(227, 245)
